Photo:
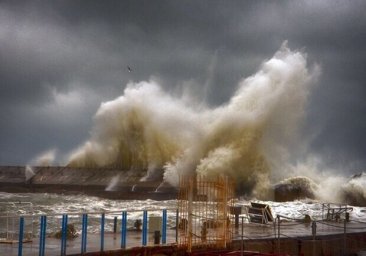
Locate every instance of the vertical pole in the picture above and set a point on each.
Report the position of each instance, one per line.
(102, 221)
(21, 231)
(115, 225)
(163, 228)
(242, 236)
(278, 234)
(313, 230)
(190, 207)
(84, 232)
(124, 230)
(345, 239)
(176, 225)
(42, 236)
(236, 214)
(144, 228)
(64, 234)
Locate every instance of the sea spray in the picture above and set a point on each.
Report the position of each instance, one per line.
(46, 158)
(113, 183)
(29, 173)
(327, 188)
(354, 190)
(148, 129)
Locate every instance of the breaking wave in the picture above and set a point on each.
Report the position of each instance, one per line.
(331, 189)
(354, 190)
(151, 130)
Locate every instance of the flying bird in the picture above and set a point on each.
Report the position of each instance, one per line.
(129, 69)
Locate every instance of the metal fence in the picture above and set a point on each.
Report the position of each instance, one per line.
(304, 236)
(77, 233)
(72, 233)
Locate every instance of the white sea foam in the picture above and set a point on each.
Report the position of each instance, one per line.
(54, 204)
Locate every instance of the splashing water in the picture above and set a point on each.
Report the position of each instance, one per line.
(113, 183)
(148, 129)
(29, 173)
(46, 158)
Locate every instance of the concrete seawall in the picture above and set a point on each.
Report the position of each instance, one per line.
(103, 182)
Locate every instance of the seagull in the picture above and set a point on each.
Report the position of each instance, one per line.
(129, 69)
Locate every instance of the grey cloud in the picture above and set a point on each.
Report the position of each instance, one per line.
(68, 46)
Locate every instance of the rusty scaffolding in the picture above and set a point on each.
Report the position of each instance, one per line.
(204, 212)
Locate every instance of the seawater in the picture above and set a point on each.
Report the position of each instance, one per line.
(58, 204)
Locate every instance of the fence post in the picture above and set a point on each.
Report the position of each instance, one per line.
(163, 228)
(64, 234)
(242, 236)
(84, 233)
(278, 234)
(313, 231)
(345, 238)
(42, 235)
(115, 225)
(21, 231)
(102, 221)
(124, 230)
(176, 226)
(144, 228)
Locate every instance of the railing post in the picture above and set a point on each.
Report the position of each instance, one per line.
(124, 229)
(278, 234)
(313, 231)
(163, 228)
(84, 232)
(176, 226)
(345, 238)
(115, 225)
(242, 237)
(42, 235)
(144, 228)
(21, 231)
(102, 221)
(64, 234)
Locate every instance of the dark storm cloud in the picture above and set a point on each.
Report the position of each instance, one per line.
(60, 59)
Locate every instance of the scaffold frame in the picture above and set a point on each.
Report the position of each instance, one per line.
(204, 212)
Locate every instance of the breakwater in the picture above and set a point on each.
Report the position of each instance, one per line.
(103, 182)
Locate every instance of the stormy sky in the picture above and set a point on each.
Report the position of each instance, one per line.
(61, 59)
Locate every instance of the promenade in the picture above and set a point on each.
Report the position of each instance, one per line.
(293, 239)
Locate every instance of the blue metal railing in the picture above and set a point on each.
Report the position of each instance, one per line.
(163, 228)
(21, 230)
(84, 232)
(64, 234)
(115, 218)
(124, 230)
(144, 229)
(102, 221)
(42, 235)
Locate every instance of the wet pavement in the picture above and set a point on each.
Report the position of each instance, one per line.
(112, 241)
